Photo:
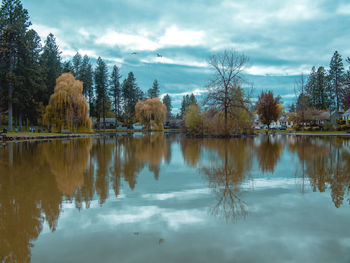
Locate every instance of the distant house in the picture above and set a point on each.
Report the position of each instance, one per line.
(346, 115)
(283, 120)
(110, 122)
(137, 125)
(319, 117)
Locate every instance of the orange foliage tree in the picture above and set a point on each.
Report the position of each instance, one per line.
(151, 113)
(68, 108)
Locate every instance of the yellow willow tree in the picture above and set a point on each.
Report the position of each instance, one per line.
(151, 113)
(68, 108)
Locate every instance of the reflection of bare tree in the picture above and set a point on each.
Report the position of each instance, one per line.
(226, 174)
(326, 162)
(268, 153)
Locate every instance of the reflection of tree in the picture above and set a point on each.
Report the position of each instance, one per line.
(268, 153)
(34, 177)
(327, 164)
(68, 161)
(102, 152)
(227, 173)
(28, 195)
(191, 150)
(151, 149)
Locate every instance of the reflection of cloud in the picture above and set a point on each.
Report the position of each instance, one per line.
(174, 218)
(281, 183)
(187, 194)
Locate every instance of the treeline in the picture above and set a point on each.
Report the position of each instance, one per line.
(325, 89)
(28, 73)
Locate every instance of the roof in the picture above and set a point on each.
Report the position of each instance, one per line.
(347, 112)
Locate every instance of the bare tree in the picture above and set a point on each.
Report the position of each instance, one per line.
(302, 99)
(224, 86)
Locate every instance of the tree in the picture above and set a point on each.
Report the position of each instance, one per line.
(187, 100)
(302, 99)
(68, 108)
(101, 85)
(67, 67)
(336, 74)
(14, 22)
(227, 67)
(131, 94)
(86, 75)
(267, 108)
(151, 113)
(193, 120)
(167, 103)
(292, 108)
(77, 66)
(154, 91)
(51, 65)
(316, 89)
(115, 92)
(31, 89)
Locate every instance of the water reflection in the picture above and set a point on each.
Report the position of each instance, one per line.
(37, 178)
(226, 172)
(326, 163)
(268, 152)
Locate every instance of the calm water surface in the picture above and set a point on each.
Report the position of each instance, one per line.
(166, 198)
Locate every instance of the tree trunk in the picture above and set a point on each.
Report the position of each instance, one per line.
(10, 88)
(104, 115)
(20, 122)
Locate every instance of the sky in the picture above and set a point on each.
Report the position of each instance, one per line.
(281, 38)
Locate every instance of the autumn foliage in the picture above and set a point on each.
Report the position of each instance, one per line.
(151, 113)
(267, 108)
(68, 108)
(212, 122)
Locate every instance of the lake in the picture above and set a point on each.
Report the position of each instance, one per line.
(168, 198)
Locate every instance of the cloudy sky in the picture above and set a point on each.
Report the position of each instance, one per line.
(281, 38)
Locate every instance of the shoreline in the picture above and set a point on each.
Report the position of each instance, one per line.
(36, 137)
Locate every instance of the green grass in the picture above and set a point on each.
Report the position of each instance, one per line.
(323, 132)
(30, 134)
(306, 132)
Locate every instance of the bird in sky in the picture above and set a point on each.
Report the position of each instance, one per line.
(133, 53)
(159, 55)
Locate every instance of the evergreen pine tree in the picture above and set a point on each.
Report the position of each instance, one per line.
(14, 23)
(67, 67)
(115, 92)
(336, 74)
(86, 76)
(154, 91)
(167, 103)
(31, 90)
(51, 65)
(131, 94)
(101, 86)
(77, 66)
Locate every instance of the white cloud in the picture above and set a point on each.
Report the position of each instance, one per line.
(176, 61)
(127, 41)
(277, 70)
(344, 9)
(144, 41)
(176, 37)
(90, 53)
(43, 31)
